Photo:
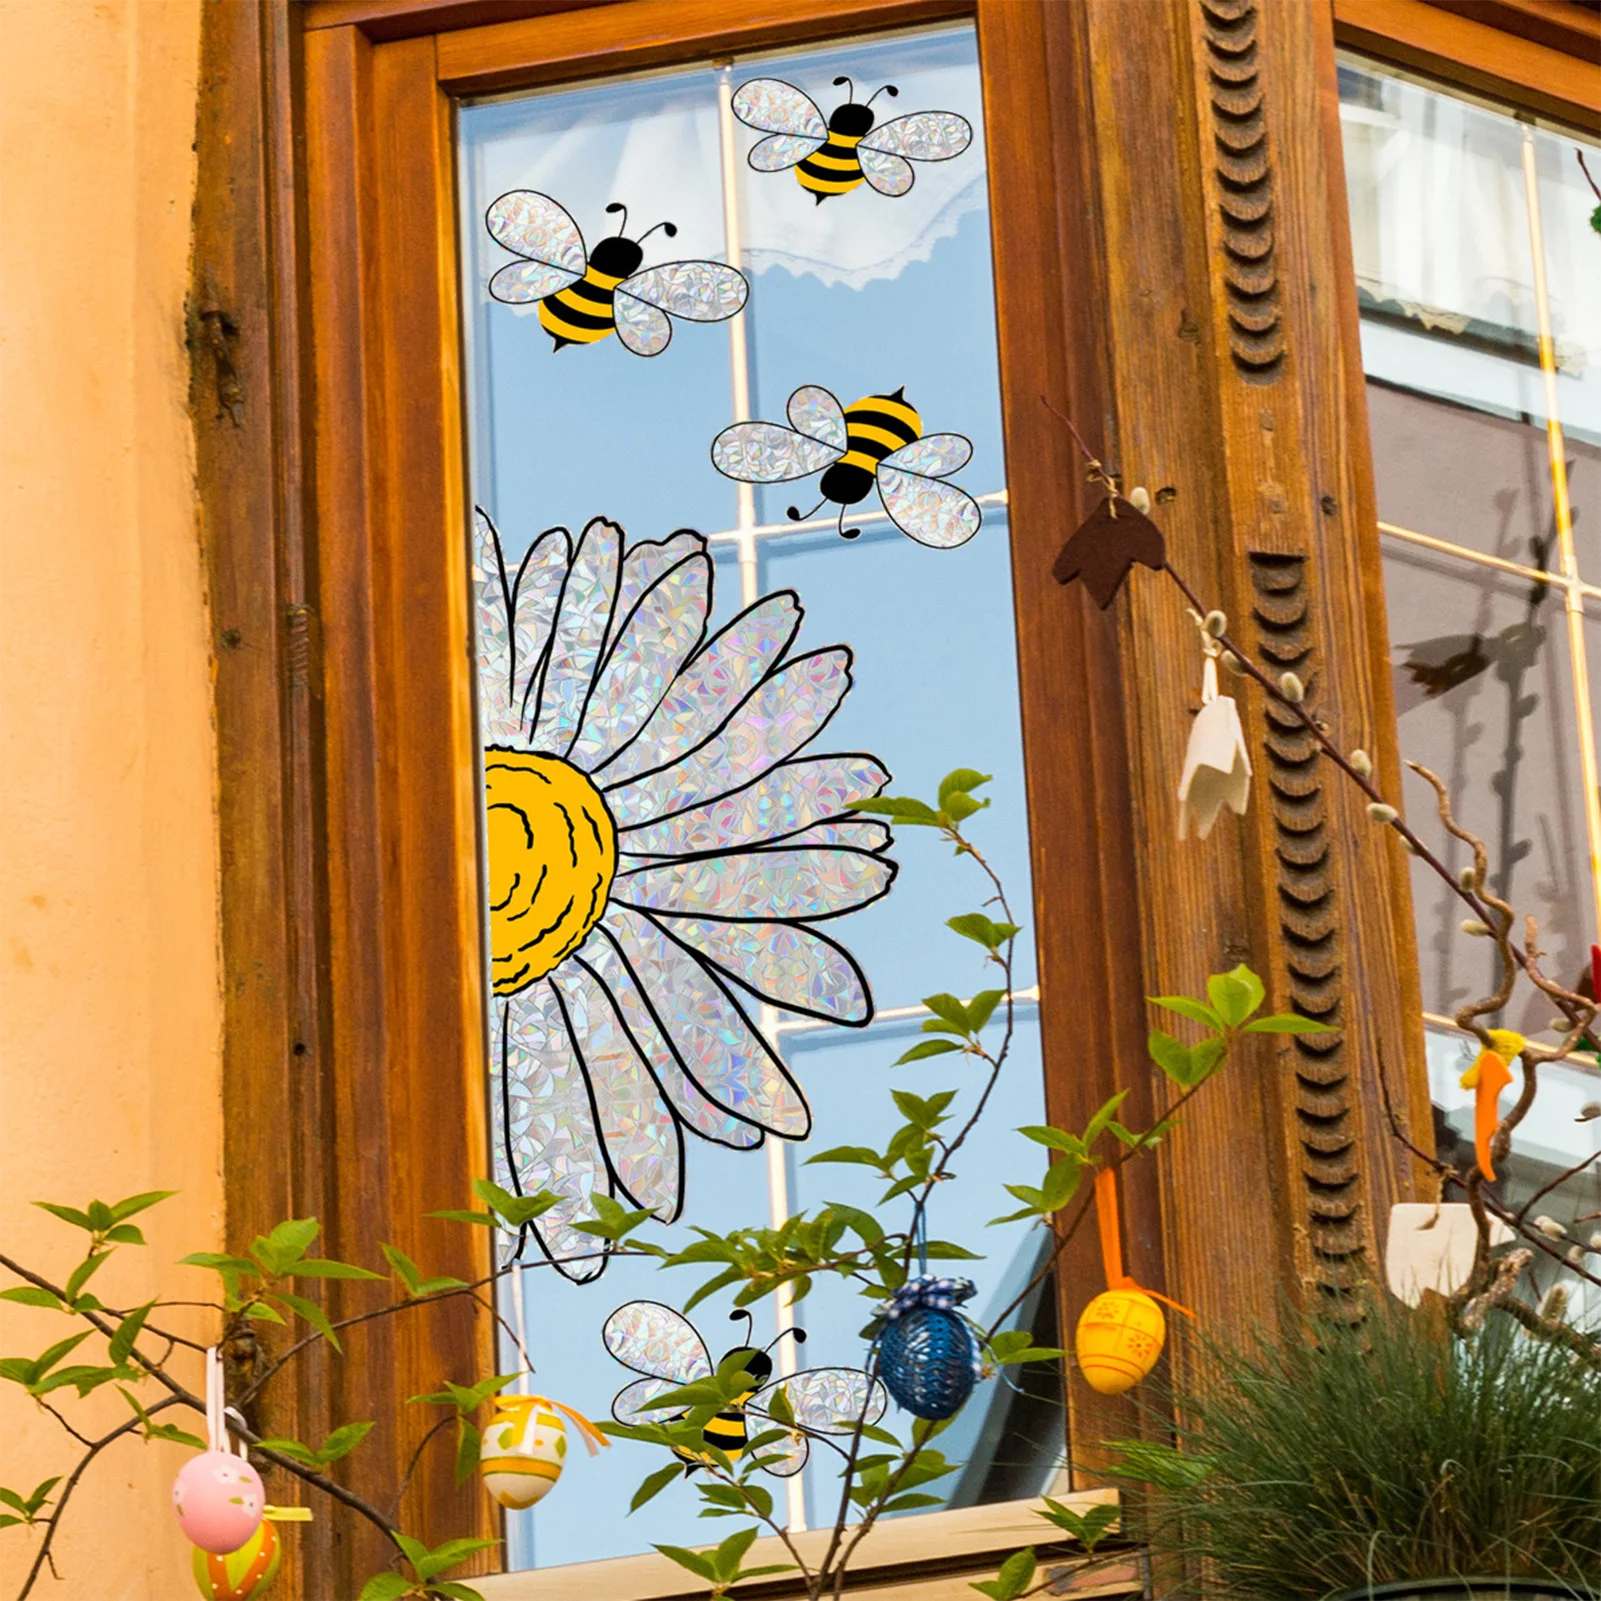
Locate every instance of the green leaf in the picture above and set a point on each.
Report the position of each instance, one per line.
(128, 1332)
(907, 1503)
(85, 1271)
(453, 1215)
(342, 1442)
(926, 1048)
(218, 1259)
(469, 1447)
(439, 1286)
(1204, 1057)
(515, 1209)
(410, 1273)
(124, 1234)
(977, 927)
(655, 1484)
(1089, 1527)
(313, 1314)
(100, 1218)
(1016, 1575)
(915, 812)
(1196, 1011)
(702, 1567)
(1036, 1353)
(31, 1295)
(385, 1587)
(317, 1267)
(1057, 1139)
(982, 1007)
(926, 1112)
(1171, 1055)
(295, 1450)
(945, 1251)
(449, 1555)
(48, 1358)
(1235, 995)
(1061, 1183)
(139, 1203)
(1286, 1023)
(732, 1551)
(414, 1550)
(456, 1590)
(948, 1007)
(961, 806)
(288, 1242)
(67, 1214)
(1103, 1118)
(963, 781)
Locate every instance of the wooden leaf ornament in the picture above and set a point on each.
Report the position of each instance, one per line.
(1106, 544)
(1489, 1075)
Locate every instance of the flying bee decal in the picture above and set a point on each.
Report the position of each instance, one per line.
(834, 157)
(583, 296)
(662, 1344)
(877, 441)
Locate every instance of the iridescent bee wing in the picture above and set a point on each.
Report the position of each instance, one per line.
(886, 173)
(919, 504)
(698, 291)
(636, 1402)
(818, 414)
(782, 1458)
(831, 1400)
(533, 226)
(772, 106)
(657, 1341)
(642, 328)
(768, 453)
(922, 136)
(779, 151)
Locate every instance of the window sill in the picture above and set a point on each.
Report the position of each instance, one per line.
(927, 1558)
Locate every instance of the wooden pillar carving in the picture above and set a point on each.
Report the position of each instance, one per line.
(1227, 312)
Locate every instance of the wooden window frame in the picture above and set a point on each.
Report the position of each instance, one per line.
(332, 462)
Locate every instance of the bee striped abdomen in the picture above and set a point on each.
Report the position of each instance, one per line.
(583, 312)
(833, 170)
(728, 1432)
(874, 428)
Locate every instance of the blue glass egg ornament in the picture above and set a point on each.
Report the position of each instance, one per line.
(927, 1356)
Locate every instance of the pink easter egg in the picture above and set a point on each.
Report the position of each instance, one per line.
(218, 1499)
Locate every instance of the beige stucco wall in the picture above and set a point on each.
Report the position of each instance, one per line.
(109, 1001)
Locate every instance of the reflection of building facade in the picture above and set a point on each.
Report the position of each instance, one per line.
(1318, 277)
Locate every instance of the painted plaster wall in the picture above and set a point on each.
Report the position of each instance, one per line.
(110, 1012)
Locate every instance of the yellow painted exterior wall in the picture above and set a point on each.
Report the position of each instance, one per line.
(110, 1011)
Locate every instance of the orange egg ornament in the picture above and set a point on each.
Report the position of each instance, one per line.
(241, 1575)
(1119, 1338)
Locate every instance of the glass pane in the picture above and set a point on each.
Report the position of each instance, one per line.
(868, 296)
(1484, 689)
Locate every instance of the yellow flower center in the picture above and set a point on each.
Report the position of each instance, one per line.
(552, 857)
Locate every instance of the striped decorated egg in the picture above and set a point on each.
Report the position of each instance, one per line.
(240, 1575)
(1119, 1338)
(523, 1450)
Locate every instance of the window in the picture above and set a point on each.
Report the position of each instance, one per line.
(1481, 336)
(877, 297)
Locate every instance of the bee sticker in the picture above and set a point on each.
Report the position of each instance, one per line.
(583, 297)
(834, 157)
(662, 1344)
(877, 441)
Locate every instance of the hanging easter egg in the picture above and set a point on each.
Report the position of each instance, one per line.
(927, 1356)
(1119, 1338)
(523, 1450)
(241, 1575)
(218, 1500)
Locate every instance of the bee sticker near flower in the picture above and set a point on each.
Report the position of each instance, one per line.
(850, 147)
(583, 296)
(665, 853)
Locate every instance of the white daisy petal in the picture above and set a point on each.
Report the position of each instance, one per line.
(667, 623)
(785, 713)
(791, 966)
(494, 637)
(812, 882)
(643, 1142)
(722, 1052)
(555, 1144)
(711, 686)
(856, 834)
(645, 565)
(536, 592)
(791, 797)
(600, 957)
(581, 628)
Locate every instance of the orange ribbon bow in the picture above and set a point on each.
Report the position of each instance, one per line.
(1112, 1242)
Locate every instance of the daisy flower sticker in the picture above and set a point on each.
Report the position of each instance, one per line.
(662, 850)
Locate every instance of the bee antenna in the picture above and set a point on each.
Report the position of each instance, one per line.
(799, 1335)
(844, 532)
(888, 89)
(750, 1322)
(796, 516)
(839, 81)
(617, 205)
(670, 229)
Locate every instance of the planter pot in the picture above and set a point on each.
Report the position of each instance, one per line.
(1473, 1590)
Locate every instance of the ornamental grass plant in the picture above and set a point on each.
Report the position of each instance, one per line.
(1322, 1462)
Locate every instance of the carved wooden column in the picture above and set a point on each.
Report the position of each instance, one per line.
(1234, 395)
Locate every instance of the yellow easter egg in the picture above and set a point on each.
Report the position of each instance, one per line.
(241, 1575)
(1119, 1338)
(523, 1450)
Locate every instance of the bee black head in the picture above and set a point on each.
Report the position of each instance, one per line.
(619, 256)
(756, 1363)
(855, 119)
